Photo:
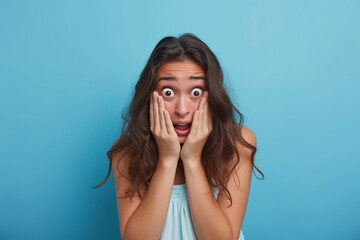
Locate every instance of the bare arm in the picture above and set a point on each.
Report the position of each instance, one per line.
(209, 220)
(239, 186)
(212, 218)
(145, 219)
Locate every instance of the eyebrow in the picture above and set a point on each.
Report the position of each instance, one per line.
(173, 78)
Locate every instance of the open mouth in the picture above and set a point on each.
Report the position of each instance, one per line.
(182, 129)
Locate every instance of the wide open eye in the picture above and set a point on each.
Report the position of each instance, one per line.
(167, 92)
(196, 92)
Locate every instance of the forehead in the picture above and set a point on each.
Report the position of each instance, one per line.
(183, 69)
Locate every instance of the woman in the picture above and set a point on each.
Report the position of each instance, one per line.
(182, 165)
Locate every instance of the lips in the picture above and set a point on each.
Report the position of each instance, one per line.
(182, 129)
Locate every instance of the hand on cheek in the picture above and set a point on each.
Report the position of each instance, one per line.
(162, 129)
(201, 128)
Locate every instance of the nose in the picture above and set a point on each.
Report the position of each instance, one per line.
(182, 107)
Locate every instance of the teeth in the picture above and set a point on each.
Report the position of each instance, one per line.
(182, 124)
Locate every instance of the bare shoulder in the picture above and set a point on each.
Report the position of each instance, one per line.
(120, 163)
(126, 205)
(247, 134)
(239, 182)
(243, 151)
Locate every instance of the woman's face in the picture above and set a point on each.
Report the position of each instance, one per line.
(181, 85)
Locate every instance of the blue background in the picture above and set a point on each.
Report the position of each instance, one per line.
(68, 68)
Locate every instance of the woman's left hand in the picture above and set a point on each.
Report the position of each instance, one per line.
(201, 128)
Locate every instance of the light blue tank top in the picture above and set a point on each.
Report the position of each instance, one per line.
(178, 224)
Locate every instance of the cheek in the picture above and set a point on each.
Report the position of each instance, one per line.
(168, 106)
(195, 106)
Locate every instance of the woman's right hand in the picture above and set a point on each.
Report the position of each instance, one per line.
(163, 131)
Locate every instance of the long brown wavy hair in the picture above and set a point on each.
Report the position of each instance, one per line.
(136, 138)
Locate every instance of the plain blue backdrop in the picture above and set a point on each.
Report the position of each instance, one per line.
(68, 68)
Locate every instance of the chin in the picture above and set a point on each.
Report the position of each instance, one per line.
(182, 139)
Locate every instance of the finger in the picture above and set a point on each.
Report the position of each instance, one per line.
(195, 123)
(209, 122)
(206, 117)
(206, 113)
(168, 122)
(206, 94)
(209, 118)
(156, 112)
(151, 112)
(201, 114)
(161, 114)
